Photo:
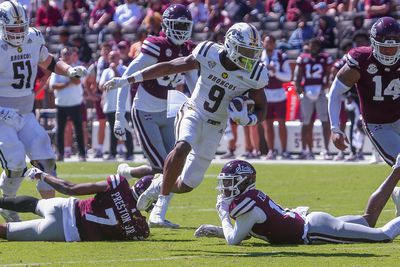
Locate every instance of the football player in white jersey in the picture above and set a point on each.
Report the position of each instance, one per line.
(226, 71)
(22, 50)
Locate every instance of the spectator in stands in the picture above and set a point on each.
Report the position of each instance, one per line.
(134, 50)
(63, 41)
(377, 8)
(217, 19)
(123, 47)
(313, 68)
(302, 34)
(70, 14)
(116, 69)
(361, 38)
(325, 32)
(47, 15)
(238, 9)
(275, 9)
(68, 94)
(279, 72)
(153, 23)
(199, 14)
(84, 50)
(155, 6)
(348, 32)
(101, 15)
(299, 8)
(128, 15)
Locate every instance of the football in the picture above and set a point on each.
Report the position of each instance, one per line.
(238, 100)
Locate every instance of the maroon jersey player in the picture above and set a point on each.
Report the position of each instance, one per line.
(258, 216)
(374, 70)
(111, 214)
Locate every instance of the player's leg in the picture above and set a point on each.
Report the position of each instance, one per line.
(269, 133)
(62, 115)
(50, 228)
(324, 228)
(280, 116)
(129, 140)
(322, 110)
(12, 158)
(19, 203)
(76, 117)
(38, 148)
(307, 110)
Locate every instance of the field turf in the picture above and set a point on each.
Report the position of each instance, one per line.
(337, 189)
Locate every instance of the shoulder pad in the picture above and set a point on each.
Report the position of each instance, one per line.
(202, 49)
(242, 204)
(356, 55)
(115, 180)
(152, 45)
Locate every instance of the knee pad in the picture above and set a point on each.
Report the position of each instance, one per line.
(46, 165)
(10, 181)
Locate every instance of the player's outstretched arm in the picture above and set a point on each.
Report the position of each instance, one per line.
(345, 79)
(66, 187)
(178, 65)
(62, 68)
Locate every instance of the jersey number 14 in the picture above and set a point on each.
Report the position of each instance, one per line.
(393, 89)
(20, 75)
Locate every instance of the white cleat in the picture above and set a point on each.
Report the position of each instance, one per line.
(163, 224)
(10, 216)
(150, 195)
(396, 200)
(124, 170)
(157, 215)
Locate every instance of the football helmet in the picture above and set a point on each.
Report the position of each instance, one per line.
(236, 177)
(243, 45)
(385, 33)
(177, 23)
(14, 22)
(141, 185)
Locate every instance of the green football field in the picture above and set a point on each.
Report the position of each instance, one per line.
(337, 189)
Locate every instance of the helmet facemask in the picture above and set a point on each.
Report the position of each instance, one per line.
(178, 30)
(231, 185)
(244, 54)
(387, 60)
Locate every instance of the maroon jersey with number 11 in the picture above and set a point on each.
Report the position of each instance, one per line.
(111, 215)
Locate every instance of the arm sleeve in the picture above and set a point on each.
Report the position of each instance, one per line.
(140, 62)
(105, 76)
(286, 74)
(243, 225)
(334, 102)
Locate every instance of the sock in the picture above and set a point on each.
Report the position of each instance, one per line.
(162, 205)
(99, 147)
(392, 228)
(19, 203)
(67, 149)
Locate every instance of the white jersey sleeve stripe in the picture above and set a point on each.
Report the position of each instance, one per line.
(154, 46)
(117, 180)
(351, 61)
(112, 178)
(150, 49)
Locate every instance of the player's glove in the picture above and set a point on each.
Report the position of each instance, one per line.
(208, 230)
(11, 117)
(35, 174)
(115, 83)
(119, 129)
(77, 72)
(222, 207)
(242, 117)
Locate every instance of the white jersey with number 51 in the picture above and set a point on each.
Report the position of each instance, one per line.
(216, 86)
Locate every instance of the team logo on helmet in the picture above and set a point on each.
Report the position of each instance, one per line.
(3, 16)
(373, 32)
(372, 68)
(237, 35)
(244, 169)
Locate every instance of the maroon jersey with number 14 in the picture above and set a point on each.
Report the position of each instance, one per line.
(280, 227)
(378, 87)
(111, 215)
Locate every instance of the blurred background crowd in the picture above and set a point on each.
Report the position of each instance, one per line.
(106, 35)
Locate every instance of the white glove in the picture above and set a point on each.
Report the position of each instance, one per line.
(77, 72)
(208, 230)
(222, 207)
(119, 128)
(11, 117)
(115, 83)
(35, 174)
(240, 117)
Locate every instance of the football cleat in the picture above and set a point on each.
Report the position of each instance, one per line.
(208, 230)
(396, 200)
(124, 170)
(151, 193)
(163, 224)
(10, 216)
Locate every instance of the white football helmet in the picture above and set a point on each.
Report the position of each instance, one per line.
(243, 45)
(14, 22)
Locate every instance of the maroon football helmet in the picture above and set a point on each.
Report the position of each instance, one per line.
(236, 177)
(141, 185)
(177, 23)
(386, 33)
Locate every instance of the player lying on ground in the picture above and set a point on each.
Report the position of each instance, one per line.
(110, 214)
(257, 215)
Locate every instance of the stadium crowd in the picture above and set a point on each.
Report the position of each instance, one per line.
(106, 36)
